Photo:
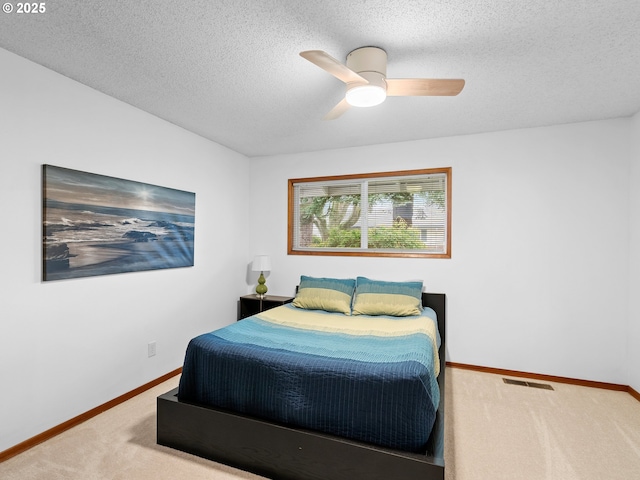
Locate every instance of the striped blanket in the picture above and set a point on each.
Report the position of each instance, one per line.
(366, 378)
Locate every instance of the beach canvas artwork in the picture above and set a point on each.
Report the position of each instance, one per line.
(99, 225)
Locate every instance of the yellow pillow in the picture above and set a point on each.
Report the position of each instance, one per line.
(398, 299)
(330, 294)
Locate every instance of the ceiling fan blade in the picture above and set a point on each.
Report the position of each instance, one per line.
(338, 110)
(333, 66)
(415, 87)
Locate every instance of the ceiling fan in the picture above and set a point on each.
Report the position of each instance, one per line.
(365, 74)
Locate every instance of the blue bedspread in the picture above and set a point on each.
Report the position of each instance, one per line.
(371, 379)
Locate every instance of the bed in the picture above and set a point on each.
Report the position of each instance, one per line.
(295, 421)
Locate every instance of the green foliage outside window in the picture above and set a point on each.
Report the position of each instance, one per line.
(338, 237)
(400, 235)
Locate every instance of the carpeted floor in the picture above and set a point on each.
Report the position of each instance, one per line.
(493, 431)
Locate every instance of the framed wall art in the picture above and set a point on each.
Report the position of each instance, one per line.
(99, 225)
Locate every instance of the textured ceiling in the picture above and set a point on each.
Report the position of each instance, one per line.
(229, 70)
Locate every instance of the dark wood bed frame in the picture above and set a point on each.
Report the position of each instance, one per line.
(282, 452)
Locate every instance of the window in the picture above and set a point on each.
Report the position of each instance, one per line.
(392, 214)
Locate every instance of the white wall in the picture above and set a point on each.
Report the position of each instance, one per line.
(68, 346)
(634, 279)
(538, 278)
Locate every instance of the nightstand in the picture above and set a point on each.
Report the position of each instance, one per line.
(251, 304)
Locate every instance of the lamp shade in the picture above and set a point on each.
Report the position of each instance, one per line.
(261, 263)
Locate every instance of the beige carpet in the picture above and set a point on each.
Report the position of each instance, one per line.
(493, 431)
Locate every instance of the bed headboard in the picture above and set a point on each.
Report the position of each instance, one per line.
(437, 301)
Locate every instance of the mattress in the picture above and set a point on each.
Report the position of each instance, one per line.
(366, 378)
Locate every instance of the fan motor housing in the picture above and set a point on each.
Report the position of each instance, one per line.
(368, 59)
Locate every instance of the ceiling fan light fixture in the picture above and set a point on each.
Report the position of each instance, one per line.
(369, 94)
(365, 75)
(366, 95)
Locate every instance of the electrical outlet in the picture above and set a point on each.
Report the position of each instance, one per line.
(151, 349)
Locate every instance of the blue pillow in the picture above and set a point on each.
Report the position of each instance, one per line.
(398, 299)
(329, 294)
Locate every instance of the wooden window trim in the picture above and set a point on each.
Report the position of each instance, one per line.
(365, 253)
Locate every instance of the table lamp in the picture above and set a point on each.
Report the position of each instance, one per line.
(261, 263)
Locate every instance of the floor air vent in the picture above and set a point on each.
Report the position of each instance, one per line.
(543, 386)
